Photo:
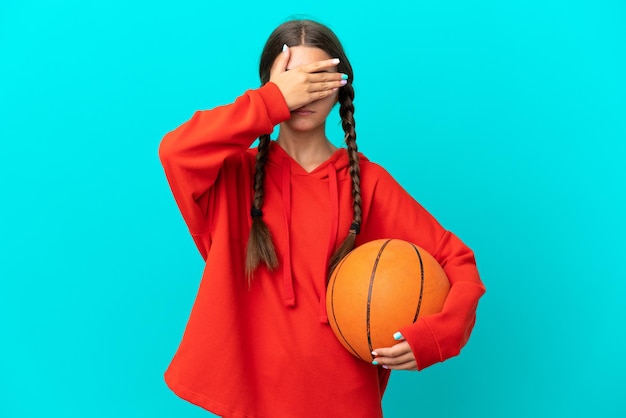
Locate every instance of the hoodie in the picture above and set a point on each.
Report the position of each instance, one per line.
(265, 349)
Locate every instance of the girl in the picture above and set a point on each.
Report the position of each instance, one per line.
(272, 222)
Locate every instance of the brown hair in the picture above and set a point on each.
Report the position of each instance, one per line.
(312, 34)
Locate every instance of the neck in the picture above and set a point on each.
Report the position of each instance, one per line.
(309, 149)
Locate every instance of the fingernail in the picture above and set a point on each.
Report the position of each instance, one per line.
(397, 336)
(385, 367)
(344, 76)
(335, 61)
(374, 353)
(285, 47)
(344, 82)
(375, 363)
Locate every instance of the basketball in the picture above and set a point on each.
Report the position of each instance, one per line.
(380, 287)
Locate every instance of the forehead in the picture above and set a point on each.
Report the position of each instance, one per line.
(302, 55)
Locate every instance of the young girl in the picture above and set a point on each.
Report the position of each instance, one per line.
(272, 222)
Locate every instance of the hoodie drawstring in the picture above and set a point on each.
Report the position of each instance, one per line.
(290, 298)
(333, 194)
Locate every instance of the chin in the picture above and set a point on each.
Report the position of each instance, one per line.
(303, 126)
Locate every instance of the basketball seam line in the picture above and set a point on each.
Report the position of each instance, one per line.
(369, 295)
(332, 307)
(419, 302)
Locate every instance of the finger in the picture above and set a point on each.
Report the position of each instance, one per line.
(323, 65)
(389, 356)
(406, 362)
(331, 86)
(409, 365)
(281, 62)
(397, 350)
(325, 82)
(334, 78)
(396, 360)
(402, 362)
(326, 76)
(398, 336)
(391, 352)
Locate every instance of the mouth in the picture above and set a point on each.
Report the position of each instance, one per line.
(303, 111)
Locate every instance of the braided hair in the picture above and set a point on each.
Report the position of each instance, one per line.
(260, 246)
(346, 111)
(312, 34)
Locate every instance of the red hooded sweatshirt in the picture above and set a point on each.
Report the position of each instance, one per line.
(266, 350)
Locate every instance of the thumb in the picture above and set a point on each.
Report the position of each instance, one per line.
(280, 64)
(398, 336)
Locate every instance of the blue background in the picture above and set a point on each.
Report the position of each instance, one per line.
(506, 119)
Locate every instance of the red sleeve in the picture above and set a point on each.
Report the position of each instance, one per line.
(193, 153)
(437, 337)
(395, 214)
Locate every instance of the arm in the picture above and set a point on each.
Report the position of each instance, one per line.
(193, 154)
(437, 337)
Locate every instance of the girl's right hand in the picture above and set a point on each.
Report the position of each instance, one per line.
(306, 83)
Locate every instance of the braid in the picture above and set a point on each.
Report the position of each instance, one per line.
(260, 247)
(346, 111)
(259, 173)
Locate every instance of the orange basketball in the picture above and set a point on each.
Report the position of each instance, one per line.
(380, 287)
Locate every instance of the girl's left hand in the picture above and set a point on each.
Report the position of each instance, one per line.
(397, 357)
